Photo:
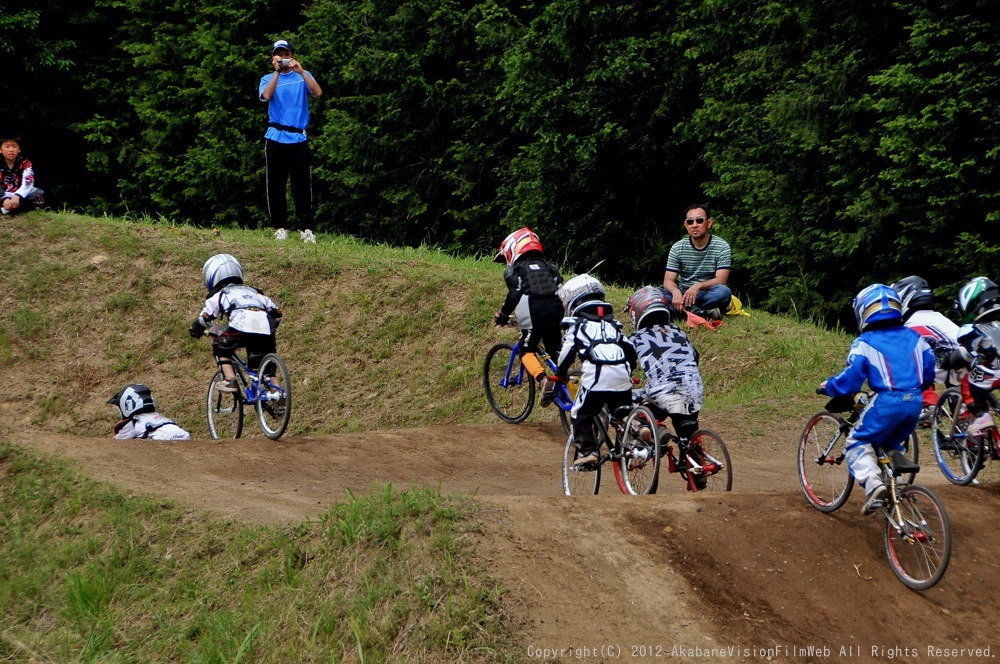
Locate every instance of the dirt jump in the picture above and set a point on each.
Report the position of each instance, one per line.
(752, 575)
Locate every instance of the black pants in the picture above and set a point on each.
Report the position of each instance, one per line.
(284, 162)
(584, 425)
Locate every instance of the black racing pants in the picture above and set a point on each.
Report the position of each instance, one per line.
(284, 162)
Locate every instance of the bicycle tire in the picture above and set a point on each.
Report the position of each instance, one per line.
(579, 480)
(958, 456)
(708, 450)
(224, 410)
(919, 552)
(510, 395)
(274, 416)
(824, 477)
(639, 463)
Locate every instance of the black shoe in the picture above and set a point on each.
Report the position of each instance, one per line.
(586, 457)
(875, 501)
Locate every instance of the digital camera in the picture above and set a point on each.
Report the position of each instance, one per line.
(285, 63)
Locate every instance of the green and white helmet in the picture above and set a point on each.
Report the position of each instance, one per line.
(977, 301)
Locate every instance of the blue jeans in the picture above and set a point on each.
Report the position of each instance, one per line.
(713, 297)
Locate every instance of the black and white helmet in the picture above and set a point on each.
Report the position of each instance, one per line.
(134, 399)
(221, 269)
(915, 294)
(581, 291)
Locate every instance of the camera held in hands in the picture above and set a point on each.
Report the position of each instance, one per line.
(285, 63)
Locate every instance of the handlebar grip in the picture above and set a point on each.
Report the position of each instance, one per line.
(820, 391)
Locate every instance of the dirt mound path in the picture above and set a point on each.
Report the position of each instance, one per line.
(753, 575)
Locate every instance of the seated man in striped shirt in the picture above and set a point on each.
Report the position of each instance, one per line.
(698, 268)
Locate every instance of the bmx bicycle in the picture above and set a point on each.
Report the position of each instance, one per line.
(268, 391)
(633, 451)
(917, 531)
(702, 462)
(962, 457)
(510, 389)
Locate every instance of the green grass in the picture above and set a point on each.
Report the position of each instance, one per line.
(375, 338)
(91, 574)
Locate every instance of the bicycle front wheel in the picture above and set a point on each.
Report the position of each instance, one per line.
(918, 538)
(958, 456)
(579, 480)
(640, 452)
(224, 409)
(274, 403)
(823, 472)
(708, 451)
(510, 389)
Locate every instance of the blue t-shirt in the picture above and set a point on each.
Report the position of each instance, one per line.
(288, 106)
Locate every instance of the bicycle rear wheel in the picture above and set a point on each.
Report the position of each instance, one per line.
(708, 451)
(958, 456)
(919, 546)
(274, 406)
(579, 480)
(823, 472)
(510, 389)
(640, 448)
(224, 409)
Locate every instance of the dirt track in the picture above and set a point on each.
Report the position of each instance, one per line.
(753, 575)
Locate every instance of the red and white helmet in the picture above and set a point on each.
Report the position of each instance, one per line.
(647, 300)
(516, 245)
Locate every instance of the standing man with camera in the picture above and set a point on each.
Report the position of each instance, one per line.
(286, 150)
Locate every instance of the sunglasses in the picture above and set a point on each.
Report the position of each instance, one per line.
(692, 222)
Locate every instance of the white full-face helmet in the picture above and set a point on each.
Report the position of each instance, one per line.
(221, 269)
(581, 291)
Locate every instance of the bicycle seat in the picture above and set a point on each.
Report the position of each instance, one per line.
(902, 465)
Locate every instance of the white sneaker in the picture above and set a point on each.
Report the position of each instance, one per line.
(281, 234)
(980, 424)
(308, 237)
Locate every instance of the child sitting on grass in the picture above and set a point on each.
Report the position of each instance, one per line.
(139, 416)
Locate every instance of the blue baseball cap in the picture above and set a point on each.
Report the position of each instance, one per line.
(282, 43)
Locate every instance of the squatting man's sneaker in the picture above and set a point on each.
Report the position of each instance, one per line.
(585, 458)
(281, 234)
(308, 237)
(874, 502)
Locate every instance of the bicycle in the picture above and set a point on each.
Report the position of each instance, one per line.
(917, 528)
(703, 462)
(962, 458)
(510, 389)
(635, 453)
(272, 398)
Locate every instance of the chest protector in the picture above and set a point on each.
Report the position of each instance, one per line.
(537, 278)
(600, 342)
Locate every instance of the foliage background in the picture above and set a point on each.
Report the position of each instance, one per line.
(836, 144)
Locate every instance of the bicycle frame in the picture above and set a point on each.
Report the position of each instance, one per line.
(253, 392)
(562, 398)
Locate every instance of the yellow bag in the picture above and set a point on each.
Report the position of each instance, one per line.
(736, 308)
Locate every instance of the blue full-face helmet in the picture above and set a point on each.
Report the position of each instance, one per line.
(877, 303)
